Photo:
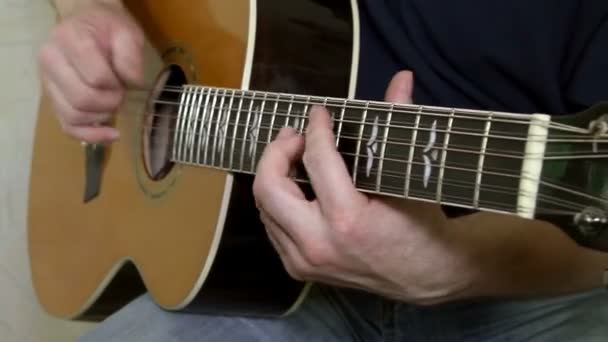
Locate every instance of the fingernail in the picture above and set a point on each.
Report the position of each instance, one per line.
(114, 135)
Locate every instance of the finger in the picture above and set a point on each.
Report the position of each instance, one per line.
(69, 115)
(325, 166)
(274, 190)
(93, 135)
(80, 96)
(401, 88)
(91, 63)
(291, 257)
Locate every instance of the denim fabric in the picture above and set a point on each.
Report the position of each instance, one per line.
(343, 315)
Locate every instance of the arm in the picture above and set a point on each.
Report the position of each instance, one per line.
(521, 258)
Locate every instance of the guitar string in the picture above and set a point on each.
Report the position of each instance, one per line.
(395, 125)
(385, 106)
(422, 127)
(397, 159)
(362, 105)
(510, 154)
(446, 198)
(526, 119)
(465, 168)
(494, 189)
(495, 116)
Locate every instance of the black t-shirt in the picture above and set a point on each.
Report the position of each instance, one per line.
(525, 56)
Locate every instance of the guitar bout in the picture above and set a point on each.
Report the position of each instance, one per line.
(592, 222)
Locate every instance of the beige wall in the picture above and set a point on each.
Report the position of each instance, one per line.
(23, 25)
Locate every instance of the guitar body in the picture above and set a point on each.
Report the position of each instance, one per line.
(192, 238)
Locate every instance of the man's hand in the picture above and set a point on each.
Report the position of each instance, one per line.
(395, 248)
(86, 65)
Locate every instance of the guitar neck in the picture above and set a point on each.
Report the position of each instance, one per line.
(463, 158)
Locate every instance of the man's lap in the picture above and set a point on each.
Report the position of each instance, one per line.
(318, 319)
(337, 315)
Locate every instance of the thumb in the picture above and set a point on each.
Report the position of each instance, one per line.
(401, 88)
(127, 45)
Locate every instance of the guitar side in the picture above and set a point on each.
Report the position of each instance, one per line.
(194, 236)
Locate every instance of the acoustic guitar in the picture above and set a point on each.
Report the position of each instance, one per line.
(168, 209)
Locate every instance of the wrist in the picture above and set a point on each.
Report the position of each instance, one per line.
(513, 257)
(66, 8)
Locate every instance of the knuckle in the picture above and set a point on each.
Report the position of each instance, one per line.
(82, 100)
(310, 160)
(259, 187)
(343, 223)
(319, 257)
(300, 271)
(293, 273)
(46, 55)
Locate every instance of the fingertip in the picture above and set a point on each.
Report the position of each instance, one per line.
(319, 116)
(401, 87)
(285, 133)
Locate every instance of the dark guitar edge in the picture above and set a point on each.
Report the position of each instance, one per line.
(282, 62)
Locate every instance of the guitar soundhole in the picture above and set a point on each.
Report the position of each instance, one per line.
(159, 122)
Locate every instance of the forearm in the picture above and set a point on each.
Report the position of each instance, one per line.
(514, 257)
(66, 7)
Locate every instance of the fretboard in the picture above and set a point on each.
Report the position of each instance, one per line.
(463, 158)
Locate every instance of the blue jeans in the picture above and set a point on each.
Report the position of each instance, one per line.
(344, 315)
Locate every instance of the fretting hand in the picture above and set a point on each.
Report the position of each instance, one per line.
(399, 249)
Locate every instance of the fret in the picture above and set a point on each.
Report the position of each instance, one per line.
(180, 119)
(237, 122)
(502, 157)
(451, 166)
(444, 154)
(192, 121)
(482, 155)
(340, 123)
(246, 132)
(304, 115)
(272, 120)
(183, 124)
(208, 125)
(385, 142)
(289, 111)
(202, 132)
(410, 161)
(426, 154)
(359, 140)
(255, 137)
(218, 128)
(226, 129)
